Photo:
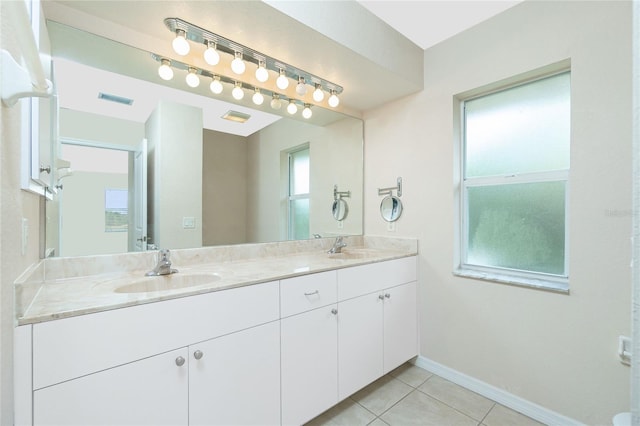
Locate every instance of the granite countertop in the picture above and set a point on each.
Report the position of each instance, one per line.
(49, 298)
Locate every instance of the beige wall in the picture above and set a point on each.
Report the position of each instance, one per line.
(224, 189)
(333, 150)
(555, 350)
(15, 204)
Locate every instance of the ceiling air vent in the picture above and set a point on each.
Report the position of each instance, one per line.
(236, 116)
(114, 98)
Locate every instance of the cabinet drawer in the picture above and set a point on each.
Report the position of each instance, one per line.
(359, 280)
(73, 347)
(307, 292)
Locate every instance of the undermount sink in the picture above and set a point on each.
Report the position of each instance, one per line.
(353, 254)
(167, 282)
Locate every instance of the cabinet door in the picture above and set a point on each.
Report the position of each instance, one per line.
(359, 343)
(152, 391)
(236, 380)
(309, 343)
(400, 325)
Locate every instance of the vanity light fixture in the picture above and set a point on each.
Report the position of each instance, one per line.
(275, 103)
(292, 108)
(306, 112)
(192, 78)
(333, 101)
(216, 85)
(257, 98)
(165, 71)
(180, 43)
(282, 81)
(262, 74)
(301, 88)
(237, 91)
(211, 55)
(186, 32)
(237, 65)
(318, 94)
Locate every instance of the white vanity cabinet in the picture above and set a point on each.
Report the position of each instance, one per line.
(235, 379)
(274, 353)
(377, 328)
(152, 391)
(103, 368)
(309, 346)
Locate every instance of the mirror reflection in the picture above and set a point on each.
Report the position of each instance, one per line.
(391, 208)
(340, 209)
(179, 176)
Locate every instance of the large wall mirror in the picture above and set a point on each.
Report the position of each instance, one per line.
(207, 181)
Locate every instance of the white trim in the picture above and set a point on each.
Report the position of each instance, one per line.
(97, 144)
(559, 285)
(534, 177)
(498, 395)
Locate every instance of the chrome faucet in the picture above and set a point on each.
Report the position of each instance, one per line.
(338, 245)
(164, 265)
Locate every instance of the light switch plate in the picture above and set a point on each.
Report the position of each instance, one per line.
(188, 222)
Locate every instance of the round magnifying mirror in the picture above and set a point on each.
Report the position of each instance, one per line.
(339, 209)
(391, 208)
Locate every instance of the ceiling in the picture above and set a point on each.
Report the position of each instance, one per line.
(354, 44)
(427, 23)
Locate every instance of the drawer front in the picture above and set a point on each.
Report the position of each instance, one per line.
(73, 347)
(359, 280)
(307, 292)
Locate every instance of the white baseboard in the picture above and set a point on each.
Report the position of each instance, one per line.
(498, 395)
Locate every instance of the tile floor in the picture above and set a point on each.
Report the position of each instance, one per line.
(410, 395)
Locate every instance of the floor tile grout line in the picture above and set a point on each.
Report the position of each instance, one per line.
(396, 403)
(487, 415)
(454, 408)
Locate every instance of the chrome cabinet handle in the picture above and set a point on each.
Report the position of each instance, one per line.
(198, 354)
(180, 361)
(334, 311)
(381, 297)
(387, 295)
(312, 293)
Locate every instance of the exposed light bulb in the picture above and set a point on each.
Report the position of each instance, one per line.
(165, 72)
(192, 78)
(301, 88)
(180, 43)
(211, 55)
(237, 92)
(257, 98)
(262, 74)
(282, 81)
(318, 94)
(216, 86)
(237, 65)
(333, 99)
(306, 112)
(276, 103)
(292, 108)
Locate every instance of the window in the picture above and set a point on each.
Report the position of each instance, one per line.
(116, 210)
(299, 194)
(515, 169)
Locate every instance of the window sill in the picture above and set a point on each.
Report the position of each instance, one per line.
(537, 284)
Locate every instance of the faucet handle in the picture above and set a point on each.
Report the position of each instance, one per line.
(165, 254)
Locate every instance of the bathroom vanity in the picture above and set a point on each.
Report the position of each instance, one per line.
(273, 340)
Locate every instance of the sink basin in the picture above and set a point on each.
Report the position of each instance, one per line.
(167, 282)
(353, 254)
